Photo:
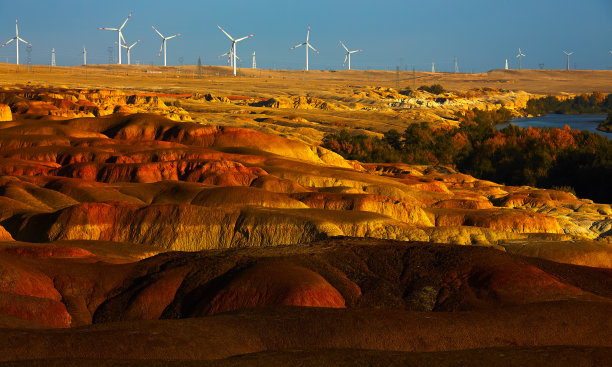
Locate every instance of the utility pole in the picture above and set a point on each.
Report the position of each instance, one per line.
(29, 57)
(397, 78)
(199, 68)
(413, 78)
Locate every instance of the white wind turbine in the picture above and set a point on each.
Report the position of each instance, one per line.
(163, 44)
(17, 39)
(568, 54)
(129, 48)
(348, 55)
(308, 45)
(520, 57)
(120, 36)
(230, 59)
(233, 47)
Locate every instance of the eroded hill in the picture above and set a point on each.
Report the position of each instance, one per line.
(95, 199)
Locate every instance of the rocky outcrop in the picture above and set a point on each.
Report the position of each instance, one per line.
(71, 103)
(338, 273)
(275, 283)
(5, 113)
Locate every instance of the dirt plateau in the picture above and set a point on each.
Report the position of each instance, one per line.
(130, 232)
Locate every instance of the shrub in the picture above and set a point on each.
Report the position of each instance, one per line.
(433, 89)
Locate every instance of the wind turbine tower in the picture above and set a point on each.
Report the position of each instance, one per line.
(254, 62)
(348, 55)
(506, 67)
(129, 48)
(53, 57)
(520, 57)
(568, 54)
(84, 56)
(120, 35)
(163, 44)
(308, 45)
(456, 66)
(433, 67)
(17, 39)
(233, 47)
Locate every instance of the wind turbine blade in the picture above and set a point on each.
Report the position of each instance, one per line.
(110, 29)
(176, 35)
(296, 46)
(308, 33)
(24, 41)
(243, 38)
(126, 19)
(161, 48)
(134, 44)
(223, 30)
(225, 54)
(309, 45)
(345, 58)
(347, 50)
(9, 41)
(352, 52)
(161, 35)
(123, 39)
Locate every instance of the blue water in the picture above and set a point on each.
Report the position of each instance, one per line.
(575, 122)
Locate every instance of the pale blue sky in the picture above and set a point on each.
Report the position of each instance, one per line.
(480, 33)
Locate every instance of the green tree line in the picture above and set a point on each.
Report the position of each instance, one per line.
(548, 158)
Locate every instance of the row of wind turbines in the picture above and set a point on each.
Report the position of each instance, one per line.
(521, 55)
(121, 43)
(232, 54)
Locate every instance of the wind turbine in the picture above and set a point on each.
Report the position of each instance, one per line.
(120, 36)
(16, 39)
(568, 54)
(163, 44)
(308, 45)
(129, 48)
(230, 59)
(233, 47)
(348, 55)
(520, 57)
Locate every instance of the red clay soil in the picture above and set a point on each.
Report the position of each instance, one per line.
(307, 328)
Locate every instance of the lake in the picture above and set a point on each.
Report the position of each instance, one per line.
(575, 122)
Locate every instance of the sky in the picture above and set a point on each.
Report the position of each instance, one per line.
(481, 34)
